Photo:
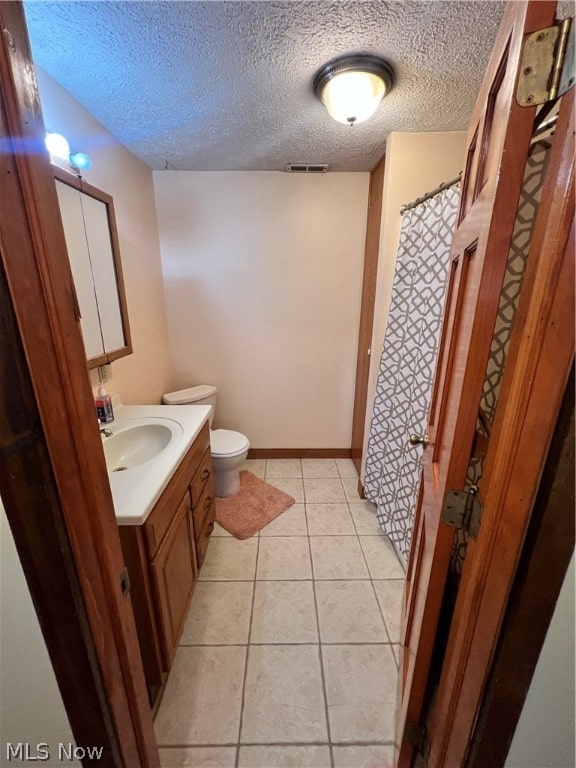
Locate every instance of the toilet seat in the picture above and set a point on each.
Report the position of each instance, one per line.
(226, 442)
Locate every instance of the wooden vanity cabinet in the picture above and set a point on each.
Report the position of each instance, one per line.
(164, 555)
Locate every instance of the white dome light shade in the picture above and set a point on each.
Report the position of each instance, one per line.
(352, 97)
(57, 145)
(351, 88)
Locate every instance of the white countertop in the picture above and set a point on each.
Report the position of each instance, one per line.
(135, 491)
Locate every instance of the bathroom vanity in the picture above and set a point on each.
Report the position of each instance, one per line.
(164, 545)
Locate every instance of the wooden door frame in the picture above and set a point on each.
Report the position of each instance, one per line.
(539, 363)
(541, 572)
(368, 301)
(53, 478)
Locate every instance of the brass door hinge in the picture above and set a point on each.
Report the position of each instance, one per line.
(547, 67)
(463, 510)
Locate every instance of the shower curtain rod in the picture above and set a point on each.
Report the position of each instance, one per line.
(428, 195)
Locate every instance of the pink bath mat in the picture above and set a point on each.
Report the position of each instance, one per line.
(254, 506)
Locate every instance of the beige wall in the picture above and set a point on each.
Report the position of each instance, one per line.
(30, 700)
(143, 376)
(262, 273)
(544, 734)
(415, 164)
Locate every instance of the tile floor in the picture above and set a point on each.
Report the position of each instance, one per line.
(289, 654)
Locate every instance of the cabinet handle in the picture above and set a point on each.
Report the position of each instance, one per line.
(210, 529)
(205, 474)
(208, 502)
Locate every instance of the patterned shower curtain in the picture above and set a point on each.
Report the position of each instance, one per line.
(408, 363)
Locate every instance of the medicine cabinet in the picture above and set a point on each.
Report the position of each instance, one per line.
(92, 243)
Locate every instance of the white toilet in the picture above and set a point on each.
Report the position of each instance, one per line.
(229, 449)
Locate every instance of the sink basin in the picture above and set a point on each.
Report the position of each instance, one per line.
(135, 445)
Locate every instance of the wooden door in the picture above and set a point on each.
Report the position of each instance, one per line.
(371, 250)
(174, 576)
(536, 372)
(498, 144)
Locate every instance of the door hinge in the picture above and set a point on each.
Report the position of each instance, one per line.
(547, 67)
(124, 581)
(417, 735)
(463, 510)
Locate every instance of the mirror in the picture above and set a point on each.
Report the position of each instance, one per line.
(94, 255)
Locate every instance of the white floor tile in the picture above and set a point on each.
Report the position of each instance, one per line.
(326, 490)
(256, 466)
(198, 757)
(292, 486)
(292, 522)
(284, 612)
(228, 559)
(283, 468)
(319, 468)
(346, 468)
(284, 718)
(390, 595)
(361, 691)
(283, 700)
(348, 613)
(284, 757)
(365, 520)
(357, 756)
(219, 613)
(203, 697)
(329, 520)
(351, 489)
(337, 557)
(284, 558)
(219, 531)
(381, 557)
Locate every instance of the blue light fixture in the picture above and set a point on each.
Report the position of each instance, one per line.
(80, 161)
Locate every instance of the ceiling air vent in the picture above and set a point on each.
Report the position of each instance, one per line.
(307, 167)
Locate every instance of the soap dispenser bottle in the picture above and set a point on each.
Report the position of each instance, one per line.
(104, 406)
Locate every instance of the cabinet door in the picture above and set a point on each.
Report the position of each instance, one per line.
(97, 224)
(173, 572)
(94, 253)
(79, 255)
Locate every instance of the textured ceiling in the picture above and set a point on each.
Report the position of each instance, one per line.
(227, 85)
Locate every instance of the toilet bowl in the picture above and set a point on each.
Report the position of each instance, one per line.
(228, 448)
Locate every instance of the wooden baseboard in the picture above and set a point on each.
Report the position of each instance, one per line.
(299, 453)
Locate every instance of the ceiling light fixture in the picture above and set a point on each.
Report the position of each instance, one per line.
(352, 87)
(59, 149)
(57, 146)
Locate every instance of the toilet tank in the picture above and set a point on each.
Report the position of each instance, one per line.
(204, 394)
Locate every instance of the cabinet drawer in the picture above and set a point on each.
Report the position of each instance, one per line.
(202, 477)
(208, 504)
(205, 506)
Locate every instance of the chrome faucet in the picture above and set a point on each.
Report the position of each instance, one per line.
(106, 432)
